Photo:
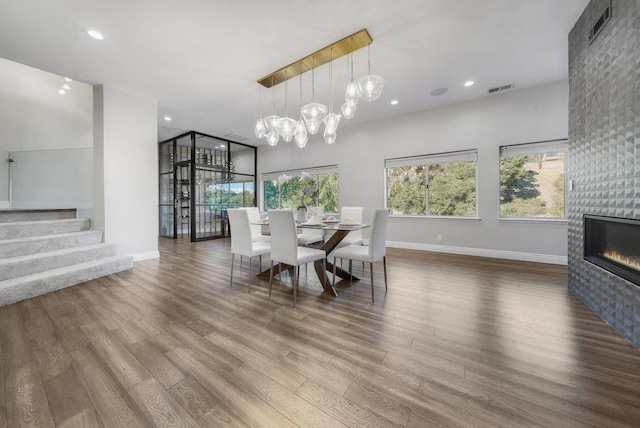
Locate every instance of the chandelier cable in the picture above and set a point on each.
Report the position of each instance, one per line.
(331, 83)
(313, 79)
(286, 94)
(273, 96)
(351, 58)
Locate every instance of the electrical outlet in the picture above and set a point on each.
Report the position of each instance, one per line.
(439, 238)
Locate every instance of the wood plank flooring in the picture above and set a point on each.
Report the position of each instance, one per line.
(457, 341)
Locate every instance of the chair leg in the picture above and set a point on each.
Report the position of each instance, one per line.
(371, 269)
(350, 271)
(296, 269)
(334, 272)
(384, 266)
(260, 262)
(249, 279)
(231, 280)
(270, 278)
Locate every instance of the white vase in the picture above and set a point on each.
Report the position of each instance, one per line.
(301, 215)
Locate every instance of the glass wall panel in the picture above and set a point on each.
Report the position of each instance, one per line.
(242, 159)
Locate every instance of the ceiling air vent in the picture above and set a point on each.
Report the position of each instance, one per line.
(236, 137)
(600, 19)
(501, 88)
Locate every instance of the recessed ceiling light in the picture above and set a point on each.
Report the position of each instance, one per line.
(66, 87)
(438, 92)
(468, 83)
(222, 146)
(66, 79)
(95, 34)
(167, 118)
(394, 102)
(62, 91)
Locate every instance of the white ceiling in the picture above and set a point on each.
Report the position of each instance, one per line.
(200, 59)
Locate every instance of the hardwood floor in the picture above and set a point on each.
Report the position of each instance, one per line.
(457, 341)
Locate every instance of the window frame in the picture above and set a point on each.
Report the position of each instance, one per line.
(316, 171)
(468, 155)
(558, 145)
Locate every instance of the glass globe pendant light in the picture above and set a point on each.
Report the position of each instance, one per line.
(313, 113)
(260, 129)
(285, 126)
(353, 92)
(371, 86)
(332, 120)
(270, 121)
(348, 110)
(300, 133)
(351, 95)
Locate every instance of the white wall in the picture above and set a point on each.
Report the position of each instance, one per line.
(4, 179)
(528, 115)
(53, 179)
(34, 117)
(126, 171)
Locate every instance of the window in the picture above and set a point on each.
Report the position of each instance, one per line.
(432, 185)
(222, 196)
(308, 187)
(532, 180)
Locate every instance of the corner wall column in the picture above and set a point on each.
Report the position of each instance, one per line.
(126, 171)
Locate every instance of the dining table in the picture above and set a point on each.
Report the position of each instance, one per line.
(340, 231)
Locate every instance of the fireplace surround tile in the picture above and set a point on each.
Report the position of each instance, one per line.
(604, 152)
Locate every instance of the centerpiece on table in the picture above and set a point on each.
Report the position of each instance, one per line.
(279, 182)
(306, 190)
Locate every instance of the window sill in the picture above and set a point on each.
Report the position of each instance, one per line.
(436, 217)
(533, 220)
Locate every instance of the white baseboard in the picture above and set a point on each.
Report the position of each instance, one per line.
(481, 252)
(5, 205)
(137, 257)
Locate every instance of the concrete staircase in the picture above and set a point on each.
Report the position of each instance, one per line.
(50, 251)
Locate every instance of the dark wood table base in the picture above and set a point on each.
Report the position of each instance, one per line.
(321, 271)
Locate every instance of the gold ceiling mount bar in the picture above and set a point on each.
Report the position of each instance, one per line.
(340, 48)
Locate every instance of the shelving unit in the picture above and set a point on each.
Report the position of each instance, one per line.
(199, 180)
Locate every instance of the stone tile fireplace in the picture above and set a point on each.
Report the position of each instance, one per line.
(604, 161)
(613, 244)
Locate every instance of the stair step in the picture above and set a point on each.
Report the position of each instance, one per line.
(24, 287)
(10, 216)
(25, 229)
(33, 263)
(40, 244)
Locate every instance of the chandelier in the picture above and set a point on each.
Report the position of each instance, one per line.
(314, 115)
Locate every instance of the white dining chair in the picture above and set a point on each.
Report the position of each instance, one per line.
(242, 242)
(285, 249)
(256, 229)
(312, 236)
(375, 251)
(354, 237)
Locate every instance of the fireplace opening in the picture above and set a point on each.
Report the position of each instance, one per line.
(613, 244)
